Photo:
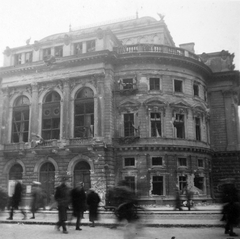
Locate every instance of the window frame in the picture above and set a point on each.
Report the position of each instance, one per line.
(76, 50)
(174, 86)
(46, 50)
(157, 165)
(198, 135)
(180, 165)
(31, 56)
(131, 129)
(157, 122)
(18, 59)
(129, 166)
(159, 82)
(58, 49)
(177, 123)
(134, 181)
(89, 47)
(198, 164)
(152, 185)
(182, 184)
(196, 92)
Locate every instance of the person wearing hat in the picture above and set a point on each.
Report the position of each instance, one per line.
(62, 196)
(78, 197)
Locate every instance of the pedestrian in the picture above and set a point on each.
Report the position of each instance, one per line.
(62, 196)
(178, 204)
(38, 198)
(93, 200)
(78, 197)
(15, 201)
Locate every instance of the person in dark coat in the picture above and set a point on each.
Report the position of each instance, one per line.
(78, 197)
(16, 200)
(62, 196)
(178, 201)
(93, 200)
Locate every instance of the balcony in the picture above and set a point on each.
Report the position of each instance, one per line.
(138, 48)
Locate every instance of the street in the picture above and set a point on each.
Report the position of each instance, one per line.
(26, 231)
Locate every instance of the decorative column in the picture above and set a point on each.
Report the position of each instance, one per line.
(5, 114)
(101, 109)
(231, 119)
(34, 110)
(66, 108)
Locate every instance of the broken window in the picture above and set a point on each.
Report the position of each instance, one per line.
(178, 86)
(91, 46)
(129, 125)
(156, 125)
(84, 114)
(46, 52)
(18, 59)
(20, 120)
(157, 161)
(199, 183)
(179, 125)
(28, 57)
(198, 128)
(182, 183)
(58, 51)
(78, 48)
(154, 83)
(128, 162)
(157, 185)
(51, 116)
(195, 89)
(182, 162)
(130, 181)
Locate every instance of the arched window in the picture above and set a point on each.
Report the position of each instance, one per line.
(82, 174)
(16, 172)
(47, 177)
(84, 114)
(51, 116)
(20, 120)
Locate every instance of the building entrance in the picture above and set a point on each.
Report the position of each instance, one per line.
(82, 174)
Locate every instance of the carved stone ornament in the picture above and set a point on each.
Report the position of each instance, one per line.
(36, 45)
(129, 106)
(66, 39)
(7, 51)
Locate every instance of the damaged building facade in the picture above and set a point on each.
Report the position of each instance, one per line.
(113, 102)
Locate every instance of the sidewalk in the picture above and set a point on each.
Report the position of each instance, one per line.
(201, 216)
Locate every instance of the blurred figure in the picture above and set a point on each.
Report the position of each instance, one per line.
(78, 197)
(178, 204)
(15, 201)
(3, 199)
(62, 196)
(231, 208)
(38, 198)
(93, 200)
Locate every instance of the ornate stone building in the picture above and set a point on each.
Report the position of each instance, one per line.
(118, 101)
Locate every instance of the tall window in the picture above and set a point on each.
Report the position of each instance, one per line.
(156, 125)
(78, 48)
(157, 185)
(179, 125)
(199, 183)
(130, 181)
(28, 57)
(195, 89)
(128, 125)
(20, 120)
(178, 86)
(182, 162)
(51, 116)
(91, 45)
(182, 180)
(154, 83)
(84, 114)
(58, 51)
(198, 128)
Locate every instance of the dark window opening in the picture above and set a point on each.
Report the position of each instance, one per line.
(178, 86)
(156, 129)
(59, 51)
(157, 161)
(199, 183)
(182, 180)
(182, 162)
(129, 162)
(196, 89)
(16, 172)
(78, 48)
(154, 83)
(130, 181)
(18, 59)
(84, 114)
(128, 125)
(179, 125)
(20, 120)
(157, 185)
(200, 163)
(91, 45)
(198, 128)
(127, 84)
(51, 116)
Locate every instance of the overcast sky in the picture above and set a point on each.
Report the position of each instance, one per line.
(212, 25)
